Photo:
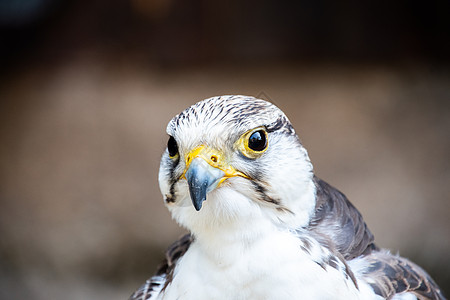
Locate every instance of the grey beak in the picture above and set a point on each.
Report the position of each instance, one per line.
(202, 178)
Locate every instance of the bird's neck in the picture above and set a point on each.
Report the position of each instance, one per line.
(224, 243)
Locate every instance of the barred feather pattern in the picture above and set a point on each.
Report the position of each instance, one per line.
(390, 275)
(157, 283)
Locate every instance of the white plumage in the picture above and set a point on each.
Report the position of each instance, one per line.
(262, 225)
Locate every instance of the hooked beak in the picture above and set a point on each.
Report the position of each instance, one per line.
(206, 170)
(202, 178)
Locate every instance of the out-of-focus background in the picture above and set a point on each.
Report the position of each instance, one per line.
(87, 88)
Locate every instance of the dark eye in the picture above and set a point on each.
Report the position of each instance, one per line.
(257, 140)
(172, 147)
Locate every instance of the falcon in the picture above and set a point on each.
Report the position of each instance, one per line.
(262, 225)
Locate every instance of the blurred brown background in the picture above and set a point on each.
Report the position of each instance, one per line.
(87, 88)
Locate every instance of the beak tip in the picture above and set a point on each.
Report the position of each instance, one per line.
(198, 206)
(197, 201)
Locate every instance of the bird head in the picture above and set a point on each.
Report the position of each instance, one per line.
(234, 158)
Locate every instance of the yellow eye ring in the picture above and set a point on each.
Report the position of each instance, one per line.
(253, 143)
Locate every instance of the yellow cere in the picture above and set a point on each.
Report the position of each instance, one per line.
(215, 159)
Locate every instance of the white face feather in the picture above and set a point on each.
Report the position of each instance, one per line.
(280, 188)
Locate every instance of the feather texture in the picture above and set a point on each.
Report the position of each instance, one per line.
(278, 223)
(340, 222)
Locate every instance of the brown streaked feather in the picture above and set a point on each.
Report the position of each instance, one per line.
(165, 270)
(389, 275)
(339, 221)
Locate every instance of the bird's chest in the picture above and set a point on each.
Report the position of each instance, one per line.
(272, 268)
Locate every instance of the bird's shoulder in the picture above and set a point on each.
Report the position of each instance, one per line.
(163, 276)
(339, 222)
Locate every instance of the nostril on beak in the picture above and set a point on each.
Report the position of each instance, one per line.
(214, 158)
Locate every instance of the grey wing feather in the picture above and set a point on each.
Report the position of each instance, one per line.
(340, 222)
(344, 229)
(389, 275)
(163, 277)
